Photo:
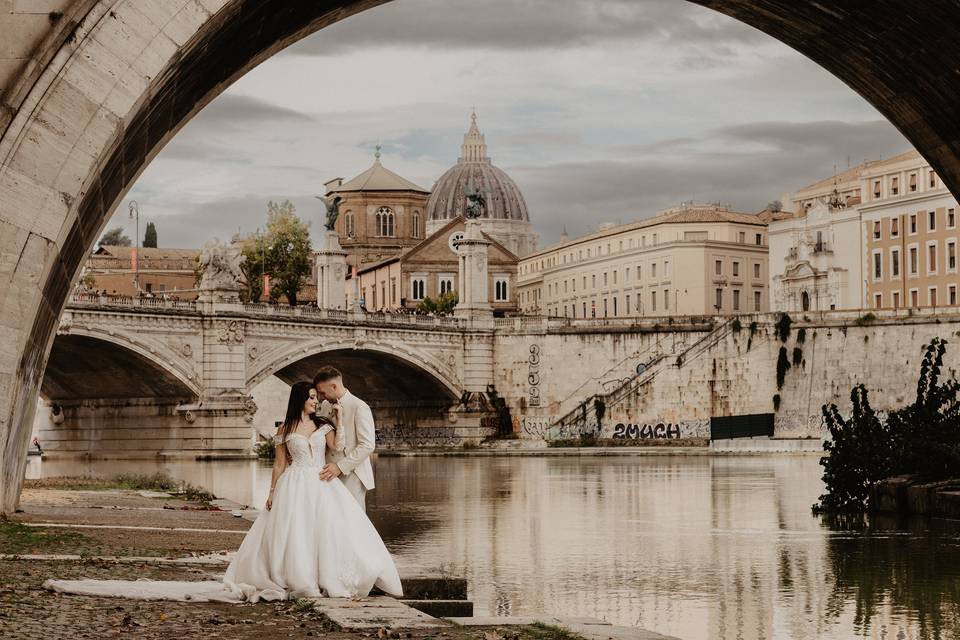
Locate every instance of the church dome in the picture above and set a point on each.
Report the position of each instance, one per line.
(474, 169)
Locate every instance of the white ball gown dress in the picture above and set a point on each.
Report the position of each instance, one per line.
(315, 541)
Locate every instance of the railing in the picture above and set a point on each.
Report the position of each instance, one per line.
(99, 300)
(340, 315)
(520, 323)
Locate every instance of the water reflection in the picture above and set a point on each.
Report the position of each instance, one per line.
(695, 547)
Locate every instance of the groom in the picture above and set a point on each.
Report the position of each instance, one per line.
(350, 459)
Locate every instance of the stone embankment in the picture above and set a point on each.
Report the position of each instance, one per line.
(906, 495)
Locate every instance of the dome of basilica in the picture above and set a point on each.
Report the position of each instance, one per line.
(474, 170)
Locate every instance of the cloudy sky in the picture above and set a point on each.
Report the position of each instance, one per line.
(602, 111)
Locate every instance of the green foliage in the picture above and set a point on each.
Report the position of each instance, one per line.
(150, 236)
(504, 419)
(783, 364)
(783, 327)
(797, 355)
(865, 319)
(776, 402)
(921, 439)
(443, 305)
(801, 335)
(115, 238)
(282, 252)
(265, 449)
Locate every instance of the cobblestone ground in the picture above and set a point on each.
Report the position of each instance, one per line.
(30, 612)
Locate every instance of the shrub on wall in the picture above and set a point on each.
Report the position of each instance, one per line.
(921, 439)
(783, 327)
(783, 363)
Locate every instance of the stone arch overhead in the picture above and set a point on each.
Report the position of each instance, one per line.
(110, 93)
(419, 359)
(161, 356)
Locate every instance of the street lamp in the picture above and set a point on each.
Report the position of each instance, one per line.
(135, 214)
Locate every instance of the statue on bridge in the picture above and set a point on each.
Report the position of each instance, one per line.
(220, 264)
(333, 211)
(476, 203)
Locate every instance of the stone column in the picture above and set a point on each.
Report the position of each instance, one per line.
(331, 271)
(474, 280)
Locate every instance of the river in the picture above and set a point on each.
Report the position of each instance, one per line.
(702, 548)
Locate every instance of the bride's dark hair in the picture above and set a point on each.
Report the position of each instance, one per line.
(299, 394)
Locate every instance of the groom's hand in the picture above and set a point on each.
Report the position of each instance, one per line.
(329, 471)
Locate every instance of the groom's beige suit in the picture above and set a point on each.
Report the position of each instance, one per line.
(356, 438)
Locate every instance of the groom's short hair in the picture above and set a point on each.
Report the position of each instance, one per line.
(325, 374)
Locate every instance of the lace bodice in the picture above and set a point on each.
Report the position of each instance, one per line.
(308, 451)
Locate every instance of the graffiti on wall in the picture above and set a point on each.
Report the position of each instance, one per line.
(533, 376)
(413, 436)
(662, 430)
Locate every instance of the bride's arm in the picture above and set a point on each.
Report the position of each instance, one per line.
(279, 464)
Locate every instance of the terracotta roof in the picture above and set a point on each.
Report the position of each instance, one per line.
(853, 173)
(378, 178)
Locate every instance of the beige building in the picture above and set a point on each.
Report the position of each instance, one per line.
(160, 271)
(381, 214)
(431, 269)
(882, 234)
(690, 259)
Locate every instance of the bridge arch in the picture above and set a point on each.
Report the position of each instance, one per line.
(359, 365)
(112, 84)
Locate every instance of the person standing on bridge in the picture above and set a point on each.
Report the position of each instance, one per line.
(349, 458)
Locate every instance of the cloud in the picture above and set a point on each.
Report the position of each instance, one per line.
(526, 24)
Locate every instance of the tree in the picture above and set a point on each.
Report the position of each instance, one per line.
(442, 306)
(115, 238)
(150, 236)
(775, 206)
(283, 253)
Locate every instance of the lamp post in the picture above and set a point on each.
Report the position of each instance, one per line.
(135, 214)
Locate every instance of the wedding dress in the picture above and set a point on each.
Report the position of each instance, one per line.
(315, 541)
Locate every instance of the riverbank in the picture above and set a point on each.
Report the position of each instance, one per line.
(91, 528)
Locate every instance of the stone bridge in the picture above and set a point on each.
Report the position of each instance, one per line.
(169, 376)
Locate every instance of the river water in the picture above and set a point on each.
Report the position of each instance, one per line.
(702, 548)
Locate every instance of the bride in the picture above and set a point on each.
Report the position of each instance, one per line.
(314, 539)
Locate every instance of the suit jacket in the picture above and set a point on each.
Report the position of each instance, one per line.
(357, 434)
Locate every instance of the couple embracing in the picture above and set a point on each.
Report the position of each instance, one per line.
(314, 538)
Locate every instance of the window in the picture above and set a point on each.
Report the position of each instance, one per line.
(951, 219)
(756, 301)
(932, 221)
(418, 288)
(500, 290)
(759, 239)
(415, 224)
(736, 269)
(149, 287)
(163, 287)
(736, 300)
(913, 223)
(951, 255)
(604, 278)
(385, 222)
(876, 189)
(444, 284)
(638, 272)
(913, 182)
(894, 227)
(604, 307)
(932, 296)
(933, 179)
(895, 263)
(565, 283)
(953, 294)
(593, 281)
(756, 269)
(584, 283)
(348, 223)
(913, 261)
(584, 309)
(877, 265)
(393, 290)
(932, 257)
(914, 298)
(718, 303)
(877, 300)
(666, 300)
(653, 270)
(896, 299)
(876, 230)
(654, 238)
(627, 305)
(653, 301)
(742, 237)
(666, 268)
(718, 267)
(614, 306)
(895, 185)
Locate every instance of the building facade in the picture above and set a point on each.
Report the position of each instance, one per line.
(381, 214)
(884, 235)
(690, 259)
(170, 272)
(429, 270)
